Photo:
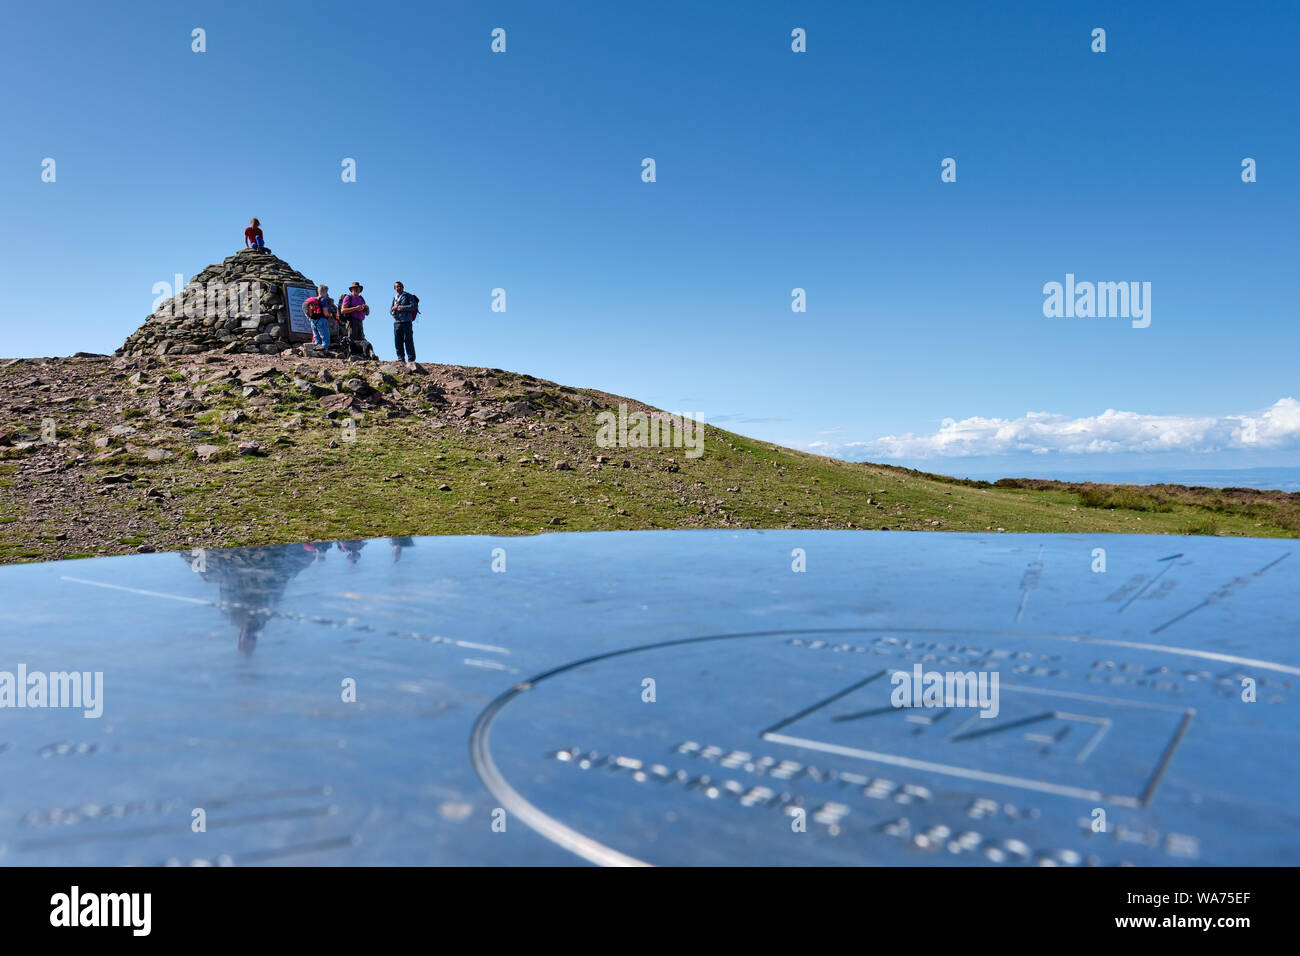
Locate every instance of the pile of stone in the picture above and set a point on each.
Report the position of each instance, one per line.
(236, 305)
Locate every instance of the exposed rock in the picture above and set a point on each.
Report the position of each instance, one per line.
(236, 305)
(336, 402)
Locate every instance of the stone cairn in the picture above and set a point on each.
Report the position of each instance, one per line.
(236, 305)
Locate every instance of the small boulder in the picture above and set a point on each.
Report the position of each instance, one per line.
(336, 402)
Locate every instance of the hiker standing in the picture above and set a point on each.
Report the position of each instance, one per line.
(253, 235)
(319, 309)
(352, 311)
(405, 308)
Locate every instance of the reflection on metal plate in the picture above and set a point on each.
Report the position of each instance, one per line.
(661, 698)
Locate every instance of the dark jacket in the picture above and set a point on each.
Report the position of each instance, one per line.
(403, 308)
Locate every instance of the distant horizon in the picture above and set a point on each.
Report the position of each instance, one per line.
(1283, 478)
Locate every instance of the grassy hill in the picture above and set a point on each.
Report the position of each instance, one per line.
(145, 454)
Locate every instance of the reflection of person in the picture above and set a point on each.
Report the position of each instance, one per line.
(398, 544)
(319, 309)
(352, 549)
(253, 235)
(251, 581)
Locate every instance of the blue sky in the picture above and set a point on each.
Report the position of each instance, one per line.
(775, 170)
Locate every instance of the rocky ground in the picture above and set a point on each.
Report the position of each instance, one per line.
(109, 455)
(89, 437)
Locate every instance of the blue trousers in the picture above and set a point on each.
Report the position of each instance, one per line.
(320, 332)
(404, 341)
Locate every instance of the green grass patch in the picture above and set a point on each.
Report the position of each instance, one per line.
(1126, 497)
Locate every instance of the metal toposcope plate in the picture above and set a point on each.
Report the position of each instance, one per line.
(662, 698)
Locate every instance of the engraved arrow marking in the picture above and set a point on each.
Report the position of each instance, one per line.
(1033, 574)
(1226, 591)
(1149, 583)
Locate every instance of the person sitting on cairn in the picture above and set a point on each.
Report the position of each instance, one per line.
(253, 236)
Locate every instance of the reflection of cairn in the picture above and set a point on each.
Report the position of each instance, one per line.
(251, 580)
(234, 306)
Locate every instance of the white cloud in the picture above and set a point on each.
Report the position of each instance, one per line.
(1111, 432)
